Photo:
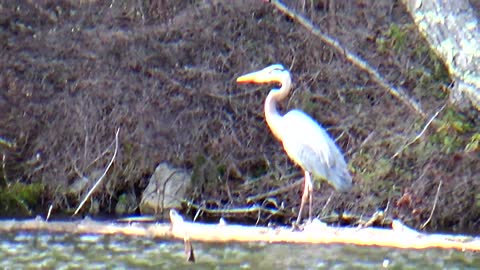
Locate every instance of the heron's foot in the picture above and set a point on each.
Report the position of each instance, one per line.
(297, 226)
(310, 225)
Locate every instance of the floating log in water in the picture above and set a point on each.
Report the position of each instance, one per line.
(399, 236)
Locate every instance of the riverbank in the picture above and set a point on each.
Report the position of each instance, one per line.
(164, 73)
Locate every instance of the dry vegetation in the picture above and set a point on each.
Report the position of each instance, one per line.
(75, 71)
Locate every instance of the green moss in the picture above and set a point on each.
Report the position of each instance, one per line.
(474, 143)
(221, 169)
(439, 72)
(375, 173)
(427, 85)
(450, 134)
(397, 36)
(20, 199)
(431, 78)
(382, 45)
(394, 38)
(430, 75)
(458, 121)
(126, 204)
(383, 167)
(29, 193)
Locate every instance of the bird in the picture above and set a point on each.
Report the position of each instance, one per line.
(304, 140)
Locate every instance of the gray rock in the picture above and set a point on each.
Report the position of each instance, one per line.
(165, 190)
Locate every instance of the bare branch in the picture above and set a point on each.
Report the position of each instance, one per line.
(421, 132)
(274, 192)
(102, 176)
(350, 56)
(434, 205)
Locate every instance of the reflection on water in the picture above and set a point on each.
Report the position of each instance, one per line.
(63, 251)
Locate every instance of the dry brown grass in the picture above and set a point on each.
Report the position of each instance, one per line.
(73, 72)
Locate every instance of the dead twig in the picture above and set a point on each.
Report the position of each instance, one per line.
(102, 176)
(378, 216)
(274, 192)
(397, 92)
(4, 171)
(99, 156)
(327, 203)
(370, 136)
(49, 212)
(421, 132)
(233, 211)
(434, 205)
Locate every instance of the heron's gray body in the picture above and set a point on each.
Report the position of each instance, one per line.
(310, 146)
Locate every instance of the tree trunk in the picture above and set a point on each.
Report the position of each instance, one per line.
(451, 28)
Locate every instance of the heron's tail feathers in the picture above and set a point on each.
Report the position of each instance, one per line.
(341, 180)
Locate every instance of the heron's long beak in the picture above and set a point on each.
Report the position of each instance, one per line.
(254, 77)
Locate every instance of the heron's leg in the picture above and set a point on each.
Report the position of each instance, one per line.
(308, 182)
(310, 195)
(304, 196)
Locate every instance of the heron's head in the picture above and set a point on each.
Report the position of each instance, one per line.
(271, 74)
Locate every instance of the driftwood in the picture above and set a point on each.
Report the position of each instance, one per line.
(399, 236)
(453, 32)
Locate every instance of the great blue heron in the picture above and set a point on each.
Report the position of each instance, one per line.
(304, 140)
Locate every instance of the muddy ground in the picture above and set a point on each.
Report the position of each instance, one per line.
(72, 72)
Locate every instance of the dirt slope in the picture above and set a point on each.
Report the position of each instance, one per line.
(164, 73)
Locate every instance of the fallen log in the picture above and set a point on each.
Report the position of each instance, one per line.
(399, 236)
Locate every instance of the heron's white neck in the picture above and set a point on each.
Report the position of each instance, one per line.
(272, 115)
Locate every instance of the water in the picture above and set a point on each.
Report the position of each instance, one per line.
(65, 251)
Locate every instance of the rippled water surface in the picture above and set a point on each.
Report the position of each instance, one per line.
(63, 251)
